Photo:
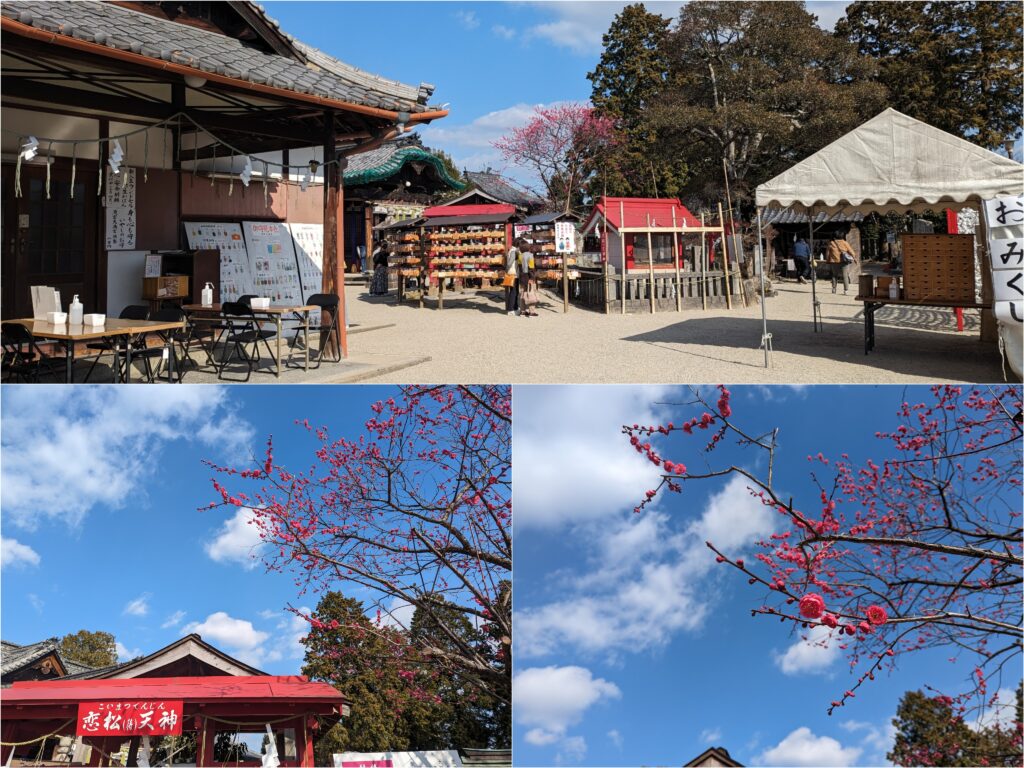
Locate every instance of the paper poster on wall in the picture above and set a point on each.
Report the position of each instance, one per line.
(275, 270)
(309, 250)
(235, 274)
(120, 210)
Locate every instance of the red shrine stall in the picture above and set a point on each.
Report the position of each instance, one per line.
(108, 714)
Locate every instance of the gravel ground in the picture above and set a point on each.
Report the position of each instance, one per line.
(472, 340)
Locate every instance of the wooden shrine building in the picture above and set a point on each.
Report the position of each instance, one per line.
(198, 96)
(203, 690)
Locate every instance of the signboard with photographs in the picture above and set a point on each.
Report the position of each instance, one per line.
(309, 250)
(235, 274)
(275, 271)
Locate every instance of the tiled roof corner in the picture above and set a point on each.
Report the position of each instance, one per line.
(125, 29)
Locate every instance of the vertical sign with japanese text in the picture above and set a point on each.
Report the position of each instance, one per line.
(1005, 219)
(120, 210)
(129, 718)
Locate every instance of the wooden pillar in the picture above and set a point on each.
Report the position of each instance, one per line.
(622, 254)
(703, 263)
(368, 237)
(207, 738)
(650, 262)
(334, 235)
(305, 749)
(676, 256)
(8, 731)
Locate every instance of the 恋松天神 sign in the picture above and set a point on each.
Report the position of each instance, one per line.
(129, 718)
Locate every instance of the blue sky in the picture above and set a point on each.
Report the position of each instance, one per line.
(492, 62)
(100, 487)
(632, 646)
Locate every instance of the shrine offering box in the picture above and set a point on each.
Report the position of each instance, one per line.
(866, 285)
(938, 267)
(172, 287)
(882, 286)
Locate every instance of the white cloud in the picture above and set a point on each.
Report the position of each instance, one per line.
(138, 607)
(36, 601)
(173, 620)
(651, 583)
(803, 748)
(579, 26)
(615, 738)
(239, 636)
(293, 628)
(397, 615)
(828, 12)
(549, 700)
(710, 735)
(572, 750)
(504, 32)
(815, 655)
(586, 473)
(238, 540)
(467, 19)
(14, 553)
(67, 450)
(123, 652)
(1000, 711)
(471, 144)
(876, 740)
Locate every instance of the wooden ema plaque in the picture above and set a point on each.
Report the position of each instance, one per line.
(938, 267)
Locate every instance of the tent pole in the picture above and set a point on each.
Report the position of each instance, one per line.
(815, 307)
(703, 271)
(622, 248)
(766, 339)
(675, 260)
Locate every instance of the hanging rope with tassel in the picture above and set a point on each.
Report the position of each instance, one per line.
(49, 161)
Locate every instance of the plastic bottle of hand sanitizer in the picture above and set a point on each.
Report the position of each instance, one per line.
(207, 295)
(894, 288)
(75, 311)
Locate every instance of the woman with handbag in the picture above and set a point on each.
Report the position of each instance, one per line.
(528, 294)
(510, 281)
(839, 256)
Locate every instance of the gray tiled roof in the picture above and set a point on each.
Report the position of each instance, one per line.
(495, 185)
(791, 216)
(128, 30)
(14, 656)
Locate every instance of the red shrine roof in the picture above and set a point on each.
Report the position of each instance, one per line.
(469, 210)
(636, 211)
(296, 689)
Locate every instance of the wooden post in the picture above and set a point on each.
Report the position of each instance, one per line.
(650, 262)
(207, 742)
(565, 275)
(334, 235)
(732, 223)
(306, 754)
(725, 259)
(368, 234)
(675, 260)
(622, 251)
(604, 248)
(703, 261)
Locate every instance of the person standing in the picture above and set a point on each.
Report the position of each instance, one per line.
(379, 282)
(511, 281)
(527, 282)
(802, 258)
(839, 256)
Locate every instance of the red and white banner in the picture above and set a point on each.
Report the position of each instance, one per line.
(129, 718)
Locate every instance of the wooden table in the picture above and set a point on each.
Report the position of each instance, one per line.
(275, 312)
(113, 328)
(872, 303)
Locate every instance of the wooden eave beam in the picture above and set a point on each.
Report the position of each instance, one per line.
(19, 29)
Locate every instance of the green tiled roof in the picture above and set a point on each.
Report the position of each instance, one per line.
(386, 161)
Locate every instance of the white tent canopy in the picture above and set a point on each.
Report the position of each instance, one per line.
(894, 162)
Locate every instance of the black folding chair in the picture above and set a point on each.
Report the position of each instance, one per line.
(327, 302)
(169, 338)
(119, 349)
(22, 358)
(242, 328)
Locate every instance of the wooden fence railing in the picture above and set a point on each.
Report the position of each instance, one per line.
(634, 291)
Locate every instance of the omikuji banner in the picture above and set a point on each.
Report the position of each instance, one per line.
(129, 718)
